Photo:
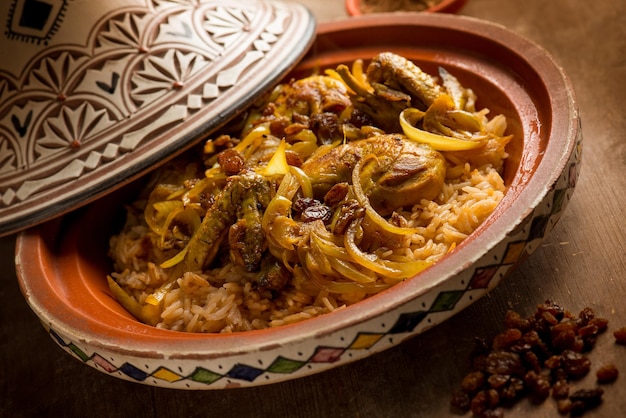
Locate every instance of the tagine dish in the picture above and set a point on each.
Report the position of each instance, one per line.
(373, 192)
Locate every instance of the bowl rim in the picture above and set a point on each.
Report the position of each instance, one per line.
(174, 344)
(353, 7)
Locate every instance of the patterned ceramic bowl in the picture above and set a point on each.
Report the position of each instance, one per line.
(62, 264)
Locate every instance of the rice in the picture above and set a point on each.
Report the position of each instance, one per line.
(224, 299)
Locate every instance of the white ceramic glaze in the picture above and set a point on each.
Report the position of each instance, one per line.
(96, 93)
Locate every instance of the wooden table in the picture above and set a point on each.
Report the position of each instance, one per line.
(580, 264)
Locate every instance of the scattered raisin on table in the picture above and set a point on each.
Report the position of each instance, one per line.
(607, 373)
(575, 364)
(560, 389)
(584, 400)
(536, 357)
(620, 335)
(461, 401)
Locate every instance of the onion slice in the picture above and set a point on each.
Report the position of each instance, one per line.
(410, 116)
(389, 269)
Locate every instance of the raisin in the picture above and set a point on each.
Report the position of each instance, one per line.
(497, 381)
(588, 330)
(515, 320)
(531, 359)
(472, 382)
(584, 400)
(506, 339)
(484, 401)
(326, 127)
(278, 126)
(296, 127)
(549, 318)
(348, 212)
(503, 362)
(231, 161)
(563, 336)
(575, 364)
(225, 141)
(336, 194)
(532, 341)
(269, 109)
(553, 362)
(293, 158)
(560, 389)
(589, 396)
(493, 398)
(577, 408)
(607, 373)
(560, 374)
(550, 311)
(319, 212)
(601, 323)
(479, 403)
(588, 343)
(304, 202)
(538, 385)
(564, 406)
(541, 390)
(461, 401)
(586, 315)
(509, 394)
(537, 357)
(620, 335)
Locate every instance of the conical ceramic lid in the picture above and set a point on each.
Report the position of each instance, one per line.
(96, 93)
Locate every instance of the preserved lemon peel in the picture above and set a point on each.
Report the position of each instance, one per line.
(174, 260)
(147, 313)
(255, 134)
(354, 79)
(156, 297)
(410, 116)
(277, 165)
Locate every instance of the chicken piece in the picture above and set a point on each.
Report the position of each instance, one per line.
(400, 74)
(243, 198)
(312, 95)
(405, 172)
(392, 84)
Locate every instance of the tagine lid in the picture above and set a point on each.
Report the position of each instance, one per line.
(95, 94)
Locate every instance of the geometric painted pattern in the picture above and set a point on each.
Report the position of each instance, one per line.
(139, 84)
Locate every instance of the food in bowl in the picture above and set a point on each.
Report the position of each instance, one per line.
(336, 187)
(377, 6)
(361, 7)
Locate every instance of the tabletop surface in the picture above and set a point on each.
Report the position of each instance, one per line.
(579, 265)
